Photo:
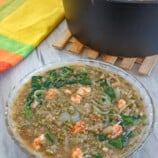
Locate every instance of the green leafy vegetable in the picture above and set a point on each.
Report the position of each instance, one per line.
(101, 137)
(66, 71)
(118, 142)
(50, 138)
(36, 82)
(126, 137)
(129, 120)
(60, 83)
(123, 125)
(53, 74)
(27, 109)
(29, 99)
(48, 84)
(59, 77)
(98, 155)
(56, 78)
(79, 78)
(105, 83)
(121, 141)
(71, 81)
(61, 72)
(28, 113)
(65, 75)
(108, 89)
(83, 78)
(111, 93)
(28, 103)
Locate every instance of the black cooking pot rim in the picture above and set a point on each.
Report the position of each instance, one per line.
(133, 1)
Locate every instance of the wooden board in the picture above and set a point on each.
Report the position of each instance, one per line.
(127, 63)
(110, 59)
(90, 53)
(139, 60)
(148, 64)
(76, 47)
(62, 40)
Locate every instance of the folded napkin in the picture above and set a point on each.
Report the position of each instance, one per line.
(23, 25)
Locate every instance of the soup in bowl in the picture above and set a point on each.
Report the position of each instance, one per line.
(83, 109)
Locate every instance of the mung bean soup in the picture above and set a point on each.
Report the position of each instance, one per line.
(79, 111)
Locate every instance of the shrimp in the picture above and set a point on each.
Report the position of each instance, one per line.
(79, 126)
(37, 143)
(122, 104)
(77, 153)
(51, 93)
(67, 91)
(117, 131)
(76, 99)
(108, 130)
(83, 91)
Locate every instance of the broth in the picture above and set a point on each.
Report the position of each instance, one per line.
(79, 111)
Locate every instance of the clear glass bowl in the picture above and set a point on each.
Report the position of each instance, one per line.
(144, 93)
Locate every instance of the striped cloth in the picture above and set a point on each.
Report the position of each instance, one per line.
(23, 25)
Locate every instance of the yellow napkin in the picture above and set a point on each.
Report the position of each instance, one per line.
(23, 25)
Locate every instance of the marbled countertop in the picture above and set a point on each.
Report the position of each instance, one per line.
(45, 53)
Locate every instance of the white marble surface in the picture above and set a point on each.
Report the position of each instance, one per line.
(45, 53)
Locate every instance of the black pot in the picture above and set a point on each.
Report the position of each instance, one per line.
(122, 28)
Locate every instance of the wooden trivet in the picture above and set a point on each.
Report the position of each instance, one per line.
(65, 40)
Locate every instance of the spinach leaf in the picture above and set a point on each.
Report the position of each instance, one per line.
(85, 82)
(108, 89)
(28, 113)
(48, 84)
(29, 99)
(121, 141)
(53, 74)
(111, 93)
(61, 72)
(36, 82)
(50, 138)
(105, 83)
(101, 137)
(128, 120)
(118, 143)
(126, 137)
(98, 155)
(66, 71)
(65, 75)
(83, 78)
(60, 83)
(71, 81)
(123, 125)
